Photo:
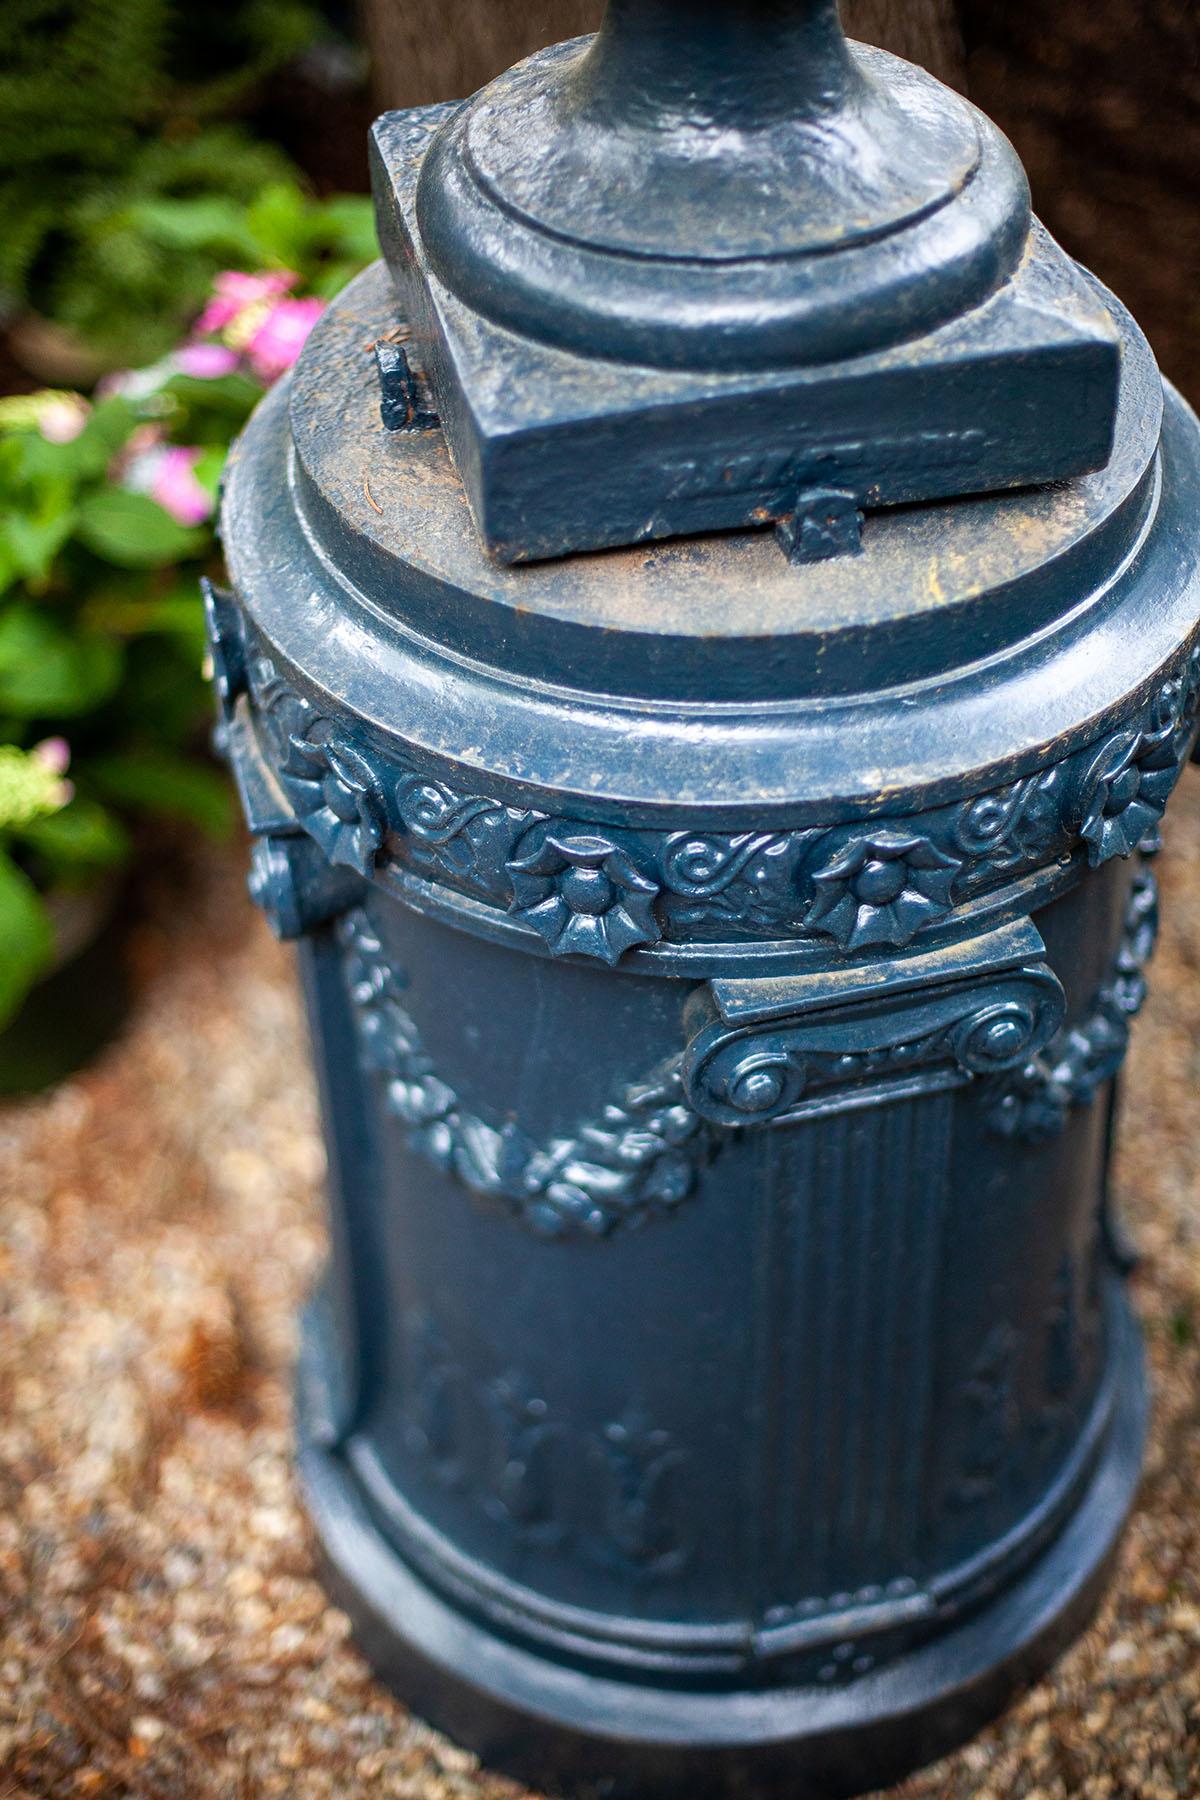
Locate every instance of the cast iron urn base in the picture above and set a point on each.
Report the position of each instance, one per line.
(711, 639)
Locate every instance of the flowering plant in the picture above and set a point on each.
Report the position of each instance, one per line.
(106, 525)
(128, 174)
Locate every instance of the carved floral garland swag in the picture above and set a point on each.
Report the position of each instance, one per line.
(643, 1155)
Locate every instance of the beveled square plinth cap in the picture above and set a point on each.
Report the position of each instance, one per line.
(717, 267)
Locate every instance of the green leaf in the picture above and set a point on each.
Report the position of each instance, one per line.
(46, 673)
(229, 398)
(164, 698)
(180, 615)
(281, 223)
(209, 466)
(207, 222)
(26, 940)
(134, 532)
(32, 539)
(110, 425)
(122, 610)
(353, 218)
(81, 839)
(178, 786)
(332, 277)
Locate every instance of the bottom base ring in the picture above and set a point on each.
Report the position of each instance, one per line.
(573, 1733)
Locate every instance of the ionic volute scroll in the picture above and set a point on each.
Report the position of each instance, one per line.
(765, 1052)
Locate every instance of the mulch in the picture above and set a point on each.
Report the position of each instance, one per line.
(162, 1633)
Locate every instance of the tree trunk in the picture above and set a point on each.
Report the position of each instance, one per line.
(1102, 100)
(923, 31)
(424, 50)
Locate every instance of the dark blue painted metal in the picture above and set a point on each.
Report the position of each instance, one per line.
(718, 967)
(678, 278)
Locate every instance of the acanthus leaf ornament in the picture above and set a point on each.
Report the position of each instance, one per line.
(446, 835)
(295, 886)
(697, 866)
(435, 813)
(988, 1399)
(640, 1462)
(1008, 827)
(334, 786)
(225, 632)
(341, 802)
(498, 1442)
(520, 1492)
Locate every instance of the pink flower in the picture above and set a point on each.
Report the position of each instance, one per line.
(54, 753)
(234, 292)
(145, 437)
(57, 413)
(63, 417)
(280, 337)
(136, 463)
(207, 362)
(176, 488)
(167, 472)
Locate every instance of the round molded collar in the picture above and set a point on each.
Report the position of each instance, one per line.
(727, 187)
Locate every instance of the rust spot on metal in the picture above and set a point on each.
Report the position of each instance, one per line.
(399, 334)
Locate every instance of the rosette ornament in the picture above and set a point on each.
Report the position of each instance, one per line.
(585, 895)
(1126, 791)
(881, 888)
(226, 646)
(338, 796)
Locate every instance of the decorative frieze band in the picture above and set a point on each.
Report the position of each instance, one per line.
(597, 892)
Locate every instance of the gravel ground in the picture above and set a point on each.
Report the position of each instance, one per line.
(161, 1632)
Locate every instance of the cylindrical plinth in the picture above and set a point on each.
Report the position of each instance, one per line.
(789, 1488)
(718, 972)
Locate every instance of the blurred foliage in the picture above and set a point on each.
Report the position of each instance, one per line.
(130, 194)
(101, 642)
(106, 527)
(120, 168)
(282, 227)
